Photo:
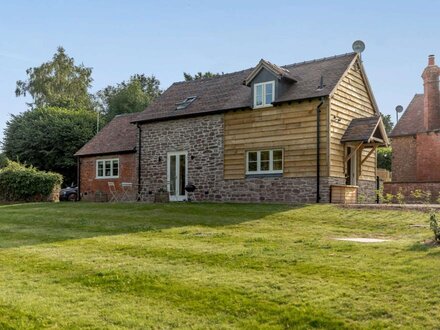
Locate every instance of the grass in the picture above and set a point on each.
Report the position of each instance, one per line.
(214, 266)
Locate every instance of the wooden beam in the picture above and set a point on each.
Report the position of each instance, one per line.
(353, 152)
(368, 155)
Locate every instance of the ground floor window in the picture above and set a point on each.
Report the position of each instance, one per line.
(264, 161)
(107, 168)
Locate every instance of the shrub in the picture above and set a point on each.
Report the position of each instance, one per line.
(433, 224)
(22, 183)
(384, 157)
(400, 197)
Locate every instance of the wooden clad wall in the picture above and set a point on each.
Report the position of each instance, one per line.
(350, 100)
(291, 127)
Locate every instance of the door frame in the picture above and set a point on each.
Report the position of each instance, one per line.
(177, 197)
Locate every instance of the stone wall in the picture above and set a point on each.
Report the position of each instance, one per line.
(367, 191)
(202, 139)
(93, 189)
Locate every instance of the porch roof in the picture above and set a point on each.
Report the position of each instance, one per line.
(366, 130)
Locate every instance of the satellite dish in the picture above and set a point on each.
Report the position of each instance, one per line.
(399, 109)
(358, 46)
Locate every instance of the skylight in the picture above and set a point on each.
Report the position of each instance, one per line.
(185, 103)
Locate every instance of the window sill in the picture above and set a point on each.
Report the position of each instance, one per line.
(106, 177)
(263, 106)
(264, 175)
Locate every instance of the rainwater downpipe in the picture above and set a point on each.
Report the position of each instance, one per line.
(318, 129)
(139, 157)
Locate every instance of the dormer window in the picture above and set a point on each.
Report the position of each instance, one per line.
(264, 94)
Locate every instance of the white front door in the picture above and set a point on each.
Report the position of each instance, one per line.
(177, 173)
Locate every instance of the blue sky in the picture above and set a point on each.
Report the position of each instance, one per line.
(166, 38)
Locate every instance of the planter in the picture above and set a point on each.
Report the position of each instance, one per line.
(343, 194)
(162, 197)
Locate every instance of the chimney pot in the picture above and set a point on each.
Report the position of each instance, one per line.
(431, 60)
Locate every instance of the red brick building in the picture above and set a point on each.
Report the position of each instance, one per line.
(416, 140)
(109, 157)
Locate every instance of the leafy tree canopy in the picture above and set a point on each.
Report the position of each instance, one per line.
(199, 75)
(58, 83)
(47, 138)
(384, 158)
(129, 96)
(388, 123)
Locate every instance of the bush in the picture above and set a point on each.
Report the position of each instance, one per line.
(21, 183)
(433, 224)
(384, 156)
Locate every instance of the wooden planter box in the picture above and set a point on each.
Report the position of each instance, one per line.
(161, 197)
(343, 194)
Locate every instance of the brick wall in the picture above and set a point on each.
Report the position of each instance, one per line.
(428, 157)
(404, 162)
(407, 187)
(90, 185)
(416, 158)
(202, 139)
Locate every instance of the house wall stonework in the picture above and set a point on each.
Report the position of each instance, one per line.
(93, 189)
(203, 139)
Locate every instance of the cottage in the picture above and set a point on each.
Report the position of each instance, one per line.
(416, 140)
(269, 133)
(110, 156)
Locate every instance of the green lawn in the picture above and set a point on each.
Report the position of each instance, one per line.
(218, 266)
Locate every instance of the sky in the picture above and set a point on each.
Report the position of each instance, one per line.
(166, 38)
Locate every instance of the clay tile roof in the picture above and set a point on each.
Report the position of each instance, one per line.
(227, 91)
(361, 129)
(117, 136)
(411, 121)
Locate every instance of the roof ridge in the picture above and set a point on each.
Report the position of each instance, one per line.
(320, 59)
(210, 78)
(282, 67)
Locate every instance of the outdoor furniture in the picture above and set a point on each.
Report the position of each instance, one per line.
(127, 191)
(113, 192)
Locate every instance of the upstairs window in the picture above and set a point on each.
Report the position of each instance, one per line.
(264, 162)
(107, 168)
(264, 94)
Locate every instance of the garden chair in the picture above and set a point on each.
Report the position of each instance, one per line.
(127, 191)
(113, 192)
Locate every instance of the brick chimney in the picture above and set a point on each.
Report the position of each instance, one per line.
(431, 109)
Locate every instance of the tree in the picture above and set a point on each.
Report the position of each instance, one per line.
(388, 123)
(384, 158)
(47, 138)
(199, 75)
(58, 83)
(128, 97)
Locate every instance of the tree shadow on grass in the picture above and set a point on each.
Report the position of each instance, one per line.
(37, 223)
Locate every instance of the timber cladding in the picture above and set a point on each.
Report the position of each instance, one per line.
(290, 127)
(350, 100)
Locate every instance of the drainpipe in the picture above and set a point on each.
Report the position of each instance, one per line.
(78, 178)
(318, 130)
(139, 157)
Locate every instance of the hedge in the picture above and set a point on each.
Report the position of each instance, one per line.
(22, 183)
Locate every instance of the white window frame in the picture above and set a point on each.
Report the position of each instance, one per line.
(264, 104)
(111, 168)
(271, 170)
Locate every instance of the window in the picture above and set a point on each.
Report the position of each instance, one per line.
(107, 168)
(264, 162)
(264, 94)
(185, 103)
